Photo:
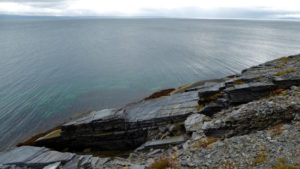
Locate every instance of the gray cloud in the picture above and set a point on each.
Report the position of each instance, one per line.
(258, 13)
(57, 7)
(26, 1)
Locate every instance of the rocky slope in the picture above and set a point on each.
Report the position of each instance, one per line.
(249, 120)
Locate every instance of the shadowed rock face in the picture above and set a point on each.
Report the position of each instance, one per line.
(124, 128)
(222, 108)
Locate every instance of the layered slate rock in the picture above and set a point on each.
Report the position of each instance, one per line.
(28, 157)
(254, 116)
(221, 108)
(247, 92)
(129, 127)
(252, 84)
(162, 143)
(105, 129)
(124, 128)
(36, 157)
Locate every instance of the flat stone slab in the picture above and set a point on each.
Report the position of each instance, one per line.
(162, 143)
(33, 156)
(248, 92)
(174, 105)
(98, 116)
(29, 157)
(53, 166)
(21, 155)
(49, 157)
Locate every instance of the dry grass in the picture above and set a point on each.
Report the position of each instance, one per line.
(180, 88)
(31, 141)
(238, 82)
(53, 134)
(284, 72)
(278, 91)
(204, 143)
(277, 130)
(159, 94)
(281, 164)
(175, 163)
(284, 166)
(261, 158)
(211, 97)
(282, 62)
(161, 163)
(199, 107)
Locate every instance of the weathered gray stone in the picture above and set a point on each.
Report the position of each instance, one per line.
(53, 166)
(254, 116)
(21, 155)
(72, 164)
(210, 88)
(137, 167)
(162, 143)
(287, 81)
(213, 107)
(50, 157)
(194, 122)
(34, 157)
(248, 92)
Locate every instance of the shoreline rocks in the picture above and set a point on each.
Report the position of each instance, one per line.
(188, 126)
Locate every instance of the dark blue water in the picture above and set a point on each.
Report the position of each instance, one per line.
(52, 69)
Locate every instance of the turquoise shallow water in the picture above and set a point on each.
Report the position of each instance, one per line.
(51, 69)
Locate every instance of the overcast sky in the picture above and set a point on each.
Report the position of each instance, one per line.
(261, 9)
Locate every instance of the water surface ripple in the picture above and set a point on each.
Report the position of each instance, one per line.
(52, 69)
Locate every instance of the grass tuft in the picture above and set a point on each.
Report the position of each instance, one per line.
(261, 158)
(277, 130)
(238, 82)
(204, 143)
(284, 72)
(161, 163)
(199, 107)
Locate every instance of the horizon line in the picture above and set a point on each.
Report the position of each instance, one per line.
(146, 17)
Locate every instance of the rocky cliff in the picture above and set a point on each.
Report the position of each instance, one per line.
(245, 120)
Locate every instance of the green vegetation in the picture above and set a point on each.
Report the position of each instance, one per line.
(281, 164)
(261, 158)
(199, 107)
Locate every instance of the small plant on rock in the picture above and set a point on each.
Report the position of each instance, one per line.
(261, 158)
(204, 143)
(277, 130)
(161, 163)
(284, 72)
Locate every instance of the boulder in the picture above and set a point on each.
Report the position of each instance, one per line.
(194, 122)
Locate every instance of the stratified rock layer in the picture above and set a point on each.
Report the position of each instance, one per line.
(207, 119)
